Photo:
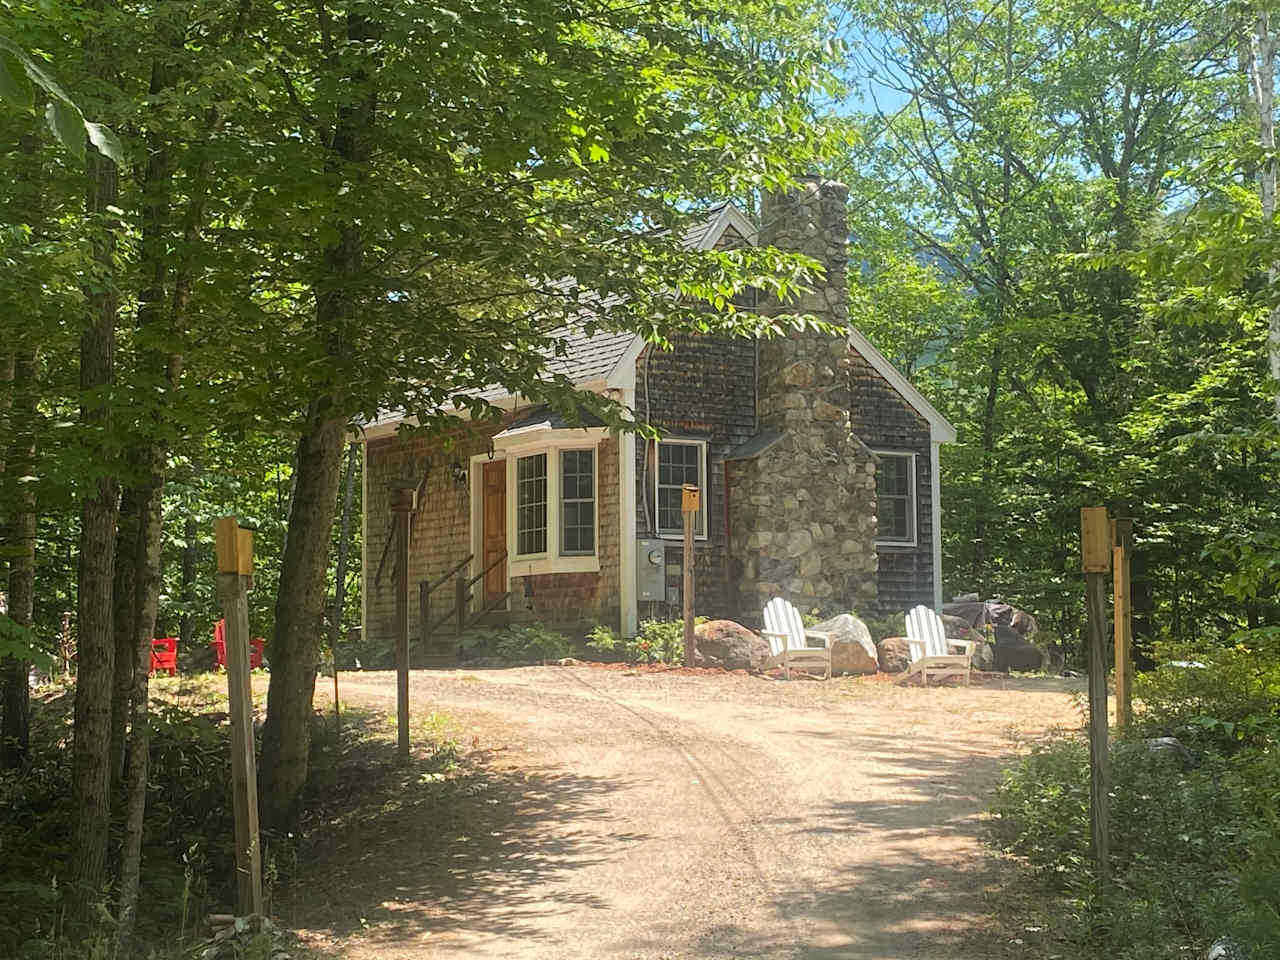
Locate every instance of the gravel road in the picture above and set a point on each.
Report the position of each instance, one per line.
(610, 814)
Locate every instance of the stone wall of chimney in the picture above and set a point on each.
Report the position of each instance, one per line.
(804, 511)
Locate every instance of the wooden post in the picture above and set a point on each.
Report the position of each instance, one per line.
(460, 601)
(234, 548)
(1124, 621)
(689, 499)
(401, 507)
(1095, 557)
(424, 609)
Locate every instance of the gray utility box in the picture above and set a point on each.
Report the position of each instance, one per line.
(651, 570)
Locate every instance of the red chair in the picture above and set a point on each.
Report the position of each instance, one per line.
(164, 655)
(219, 644)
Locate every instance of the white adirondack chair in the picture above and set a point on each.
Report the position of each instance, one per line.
(932, 652)
(788, 640)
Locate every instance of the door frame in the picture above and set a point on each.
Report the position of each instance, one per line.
(478, 460)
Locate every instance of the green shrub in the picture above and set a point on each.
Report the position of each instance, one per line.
(602, 639)
(890, 625)
(533, 641)
(1193, 856)
(1233, 699)
(659, 641)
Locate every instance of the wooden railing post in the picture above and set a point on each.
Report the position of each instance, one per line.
(1095, 557)
(460, 596)
(401, 506)
(234, 547)
(424, 610)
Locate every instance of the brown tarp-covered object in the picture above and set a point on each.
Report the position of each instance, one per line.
(979, 613)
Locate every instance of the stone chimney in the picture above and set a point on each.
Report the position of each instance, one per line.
(803, 524)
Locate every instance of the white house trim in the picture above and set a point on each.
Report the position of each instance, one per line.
(364, 539)
(704, 468)
(914, 499)
(940, 428)
(729, 216)
(551, 443)
(935, 484)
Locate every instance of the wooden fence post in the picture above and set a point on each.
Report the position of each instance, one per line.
(401, 507)
(1124, 621)
(1095, 559)
(689, 499)
(234, 548)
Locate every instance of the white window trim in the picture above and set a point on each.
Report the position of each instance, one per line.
(704, 505)
(594, 450)
(913, 497)
(550, 442)
(549, 459)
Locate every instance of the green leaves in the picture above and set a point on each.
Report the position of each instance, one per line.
(15, 86)
(21, 643)
(20, 75)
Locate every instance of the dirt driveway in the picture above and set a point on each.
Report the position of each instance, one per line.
(609, 814)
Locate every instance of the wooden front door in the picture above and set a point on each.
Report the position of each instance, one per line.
(493, 536)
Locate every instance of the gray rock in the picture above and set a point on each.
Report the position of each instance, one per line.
(958, 628)
(852, 650)
(893, 654)
(1224, 948)
(723, 643)
(1025, 657)
(1170, 747)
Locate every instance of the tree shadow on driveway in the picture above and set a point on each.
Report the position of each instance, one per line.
(398, 857)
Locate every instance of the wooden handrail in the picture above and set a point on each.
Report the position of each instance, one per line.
(487, 569)
(449, 576)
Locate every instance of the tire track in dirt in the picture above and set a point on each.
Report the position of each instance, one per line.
(652, 816)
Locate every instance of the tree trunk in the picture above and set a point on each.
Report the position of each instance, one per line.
(91, 750)
(190, 536)
(980, 524)
(21, 539)
(344, 544)
(1262, 62)
(147, 563)
(156, 354)
(123, 612)
(295, 645)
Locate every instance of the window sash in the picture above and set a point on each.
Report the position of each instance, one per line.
(577, 503)
(531, 504)
(690, 466)
(895, 506)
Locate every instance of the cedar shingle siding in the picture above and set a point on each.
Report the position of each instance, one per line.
(885, 421)
(703, 389)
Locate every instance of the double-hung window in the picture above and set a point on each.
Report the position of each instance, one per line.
(680, 462)
(896, 498)
(531, 504)
(577, 503)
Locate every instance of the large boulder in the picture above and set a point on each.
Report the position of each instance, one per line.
(852, 649)
(1012, 652)
(958, 628)
(723, 643)
(894, 654)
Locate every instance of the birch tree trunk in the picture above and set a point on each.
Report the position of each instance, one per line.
(1262, 62)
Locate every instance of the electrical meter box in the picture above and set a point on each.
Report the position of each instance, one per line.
(651, 570)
